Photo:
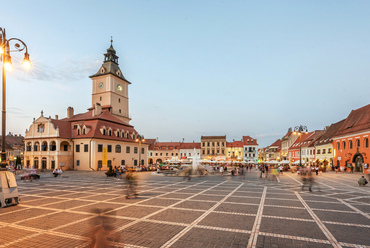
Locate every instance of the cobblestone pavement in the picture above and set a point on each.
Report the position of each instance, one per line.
(218, 211)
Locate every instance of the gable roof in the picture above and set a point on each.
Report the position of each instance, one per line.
(234, 144)
(190, 145)
(276, 143)
(357, 121)
(327, 137)
(248, 140)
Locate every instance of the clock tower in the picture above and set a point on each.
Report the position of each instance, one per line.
(110, 87)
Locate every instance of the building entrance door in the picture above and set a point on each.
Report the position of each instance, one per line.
(52, 164)
(43, 163)
(359, 162)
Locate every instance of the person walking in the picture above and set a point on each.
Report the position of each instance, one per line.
(317, 170)
(221, 170)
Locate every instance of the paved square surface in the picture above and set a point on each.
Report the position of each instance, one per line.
(215, 211)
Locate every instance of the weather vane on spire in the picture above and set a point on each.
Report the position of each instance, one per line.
(111, 40)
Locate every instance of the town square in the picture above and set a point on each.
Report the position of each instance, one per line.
(185, 124)
(214, 211)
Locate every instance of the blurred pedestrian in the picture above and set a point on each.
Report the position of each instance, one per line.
(131, 185)
(362, 181)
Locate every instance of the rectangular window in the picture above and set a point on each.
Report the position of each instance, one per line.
(135, 149)
(142, 150)
(329, 150)
(122, 162)
(86, 148)
(100, 148)
(171, 154)
(127, 149)
(118, 149)
(109, 148)
(142, 162)
(77, 162)
(160, 154)
(166, 153)
(65, 148)
(77, 148)
(156, 154)
(135, 162)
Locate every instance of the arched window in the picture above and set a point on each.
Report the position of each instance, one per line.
(104, 132)
(110, 132)
(44, 146)
(29, 147)
(344, 145)
(78, 131)
(357, 143)
(338, 146)
(350, 144)
(366, 142)
(118, 149)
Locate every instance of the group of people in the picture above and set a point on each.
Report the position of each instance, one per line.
(57, 172)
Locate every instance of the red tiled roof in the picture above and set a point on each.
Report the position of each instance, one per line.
(64, 128)
(190, 145)
(249, 139)
(327, 137)
(357, 121)
(165, 145)
(304, 136)
(234, 144)
(276, 143)
(105, 115)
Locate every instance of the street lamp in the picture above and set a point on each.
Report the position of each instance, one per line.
(140, 139)
(299, 130)
(9, 192)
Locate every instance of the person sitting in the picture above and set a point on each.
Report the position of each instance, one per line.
(362, 181)
(55, 172)
(60, 171)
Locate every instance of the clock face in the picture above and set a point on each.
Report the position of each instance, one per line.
(101, 85)
(119, 87)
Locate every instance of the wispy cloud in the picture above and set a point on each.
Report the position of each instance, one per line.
(72, 70)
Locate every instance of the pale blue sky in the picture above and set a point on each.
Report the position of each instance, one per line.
(197, 67)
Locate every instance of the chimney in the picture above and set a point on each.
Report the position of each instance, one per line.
(56, 117)
(97, 109)
(183, 140)
(70, 112)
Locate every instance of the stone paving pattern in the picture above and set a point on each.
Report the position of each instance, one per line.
(221, 211)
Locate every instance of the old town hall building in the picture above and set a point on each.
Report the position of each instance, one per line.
(93, 140)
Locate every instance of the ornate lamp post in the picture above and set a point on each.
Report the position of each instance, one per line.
(140, 139)
(8, 185)
(299, 130)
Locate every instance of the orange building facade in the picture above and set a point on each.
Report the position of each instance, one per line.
(351, 142)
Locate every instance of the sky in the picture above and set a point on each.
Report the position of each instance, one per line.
(197, 67)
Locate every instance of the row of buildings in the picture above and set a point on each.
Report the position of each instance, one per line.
(211, 148)
(342, 144)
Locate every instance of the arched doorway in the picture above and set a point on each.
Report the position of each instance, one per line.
(159, 161)
(44, 163)
(150, 161)
(359, 162)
